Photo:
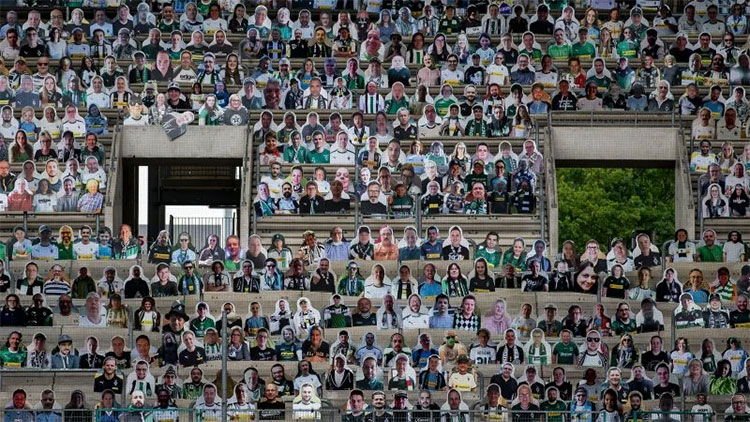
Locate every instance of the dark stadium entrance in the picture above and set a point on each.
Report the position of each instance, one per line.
(161, 188)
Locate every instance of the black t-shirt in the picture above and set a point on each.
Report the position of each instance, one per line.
(196, 357)
(477, 284)
(740, 319)
(332, 206)
(236, 117)
(266, 354)
(325, 283)
(454, 254)
(616, 287)
(565, 389)
(499, 202)
(358, 320)
(534, 283)
(518, 416)
(429, 414)
(564, 102)
(136, 287)
(652, 260)
(351, 418)
(315, 205)
(101, 384)
(649, 360)
(385, 417)
(542, 27)
(368, 208)
(507, 388)
(27, 51)
(123, 361)
(323, 351)
(401, 134)
(671, 388)
(271, 411)
(431, 204)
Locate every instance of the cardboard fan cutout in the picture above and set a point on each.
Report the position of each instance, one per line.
(176, 124)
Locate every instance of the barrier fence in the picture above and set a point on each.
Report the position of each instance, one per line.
(302, 412)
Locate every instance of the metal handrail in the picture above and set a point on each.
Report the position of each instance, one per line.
(251, 171)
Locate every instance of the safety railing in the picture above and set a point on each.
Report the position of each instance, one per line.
(453, 410)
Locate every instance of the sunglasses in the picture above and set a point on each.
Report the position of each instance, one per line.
(594, 339)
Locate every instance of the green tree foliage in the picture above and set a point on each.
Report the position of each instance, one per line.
(606, 203)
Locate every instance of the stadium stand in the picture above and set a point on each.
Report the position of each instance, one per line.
(398, 201)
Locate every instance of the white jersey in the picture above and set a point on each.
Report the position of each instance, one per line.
(375, 292)
(85, 251)
(497, 73)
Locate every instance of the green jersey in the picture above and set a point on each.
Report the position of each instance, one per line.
(322, 157)
(585, 51)
(337, 316)
(354, 82)
(555, 411)
(392, 106)
(491, 256)
(620, 327)
(535, 54)
(567, 354)
(402, 206)
(297, 156)
(442, 106)
(191, 391)
(199, 327)
(711, 253)
(65, 252)
(627, 49)
(11, 359)
(602, 84)
(559, 52)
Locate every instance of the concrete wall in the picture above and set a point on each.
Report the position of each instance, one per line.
(612, 143)
(198, 142)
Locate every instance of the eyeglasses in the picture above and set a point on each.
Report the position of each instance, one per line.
(270, 266)
(738, 402)
(593, 339)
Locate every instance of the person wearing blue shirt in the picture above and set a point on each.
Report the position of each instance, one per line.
(48, 412)
(420, 356)
(714, 103)
(337, 248)
(433, 247)
(442, 316)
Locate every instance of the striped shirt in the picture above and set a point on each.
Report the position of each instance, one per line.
(56, 288)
